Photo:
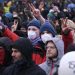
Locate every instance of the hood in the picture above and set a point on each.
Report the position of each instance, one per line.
(6, 42)
(24, 46)
(60, 48)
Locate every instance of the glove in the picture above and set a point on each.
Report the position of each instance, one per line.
(2, 27)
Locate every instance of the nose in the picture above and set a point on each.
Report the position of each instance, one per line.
(48, 51)
(13, 54)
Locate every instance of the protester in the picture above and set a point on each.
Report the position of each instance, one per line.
(23, 30)
(54, 52)
(68, 33)
(5, 53)
(34, 36)
(47, 31)
(22, 59)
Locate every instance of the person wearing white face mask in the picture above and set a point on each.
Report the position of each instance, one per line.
(33, 30)
(34, 36)
(47, 31)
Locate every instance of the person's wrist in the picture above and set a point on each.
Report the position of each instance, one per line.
(41, 19)
(39, 16)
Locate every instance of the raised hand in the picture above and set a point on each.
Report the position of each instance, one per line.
(36, 12)
(14, 26)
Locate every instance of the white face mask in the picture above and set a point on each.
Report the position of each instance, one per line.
(31, 35)
(45, 37)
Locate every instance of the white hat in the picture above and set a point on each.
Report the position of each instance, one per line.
(67, 64)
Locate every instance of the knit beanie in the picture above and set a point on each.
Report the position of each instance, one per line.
(35, 23)
(24, 46)
(48, 27)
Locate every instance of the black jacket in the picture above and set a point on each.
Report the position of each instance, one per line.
(23, 68)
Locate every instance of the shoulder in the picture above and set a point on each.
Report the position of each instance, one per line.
(43, 65)
(8, 70)
(38, 71)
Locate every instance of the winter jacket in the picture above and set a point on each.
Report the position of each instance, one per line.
(50, 66)
(39, 53)
(10, 35)
(23, 68)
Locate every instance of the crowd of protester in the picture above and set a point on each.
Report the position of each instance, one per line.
(37, 37)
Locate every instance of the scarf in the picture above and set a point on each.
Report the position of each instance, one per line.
(35, 41)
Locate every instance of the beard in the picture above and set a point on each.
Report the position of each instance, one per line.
(51, 56)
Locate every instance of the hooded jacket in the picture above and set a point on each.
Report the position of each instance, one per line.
(51, 66)
(6, 44)
(24, 66)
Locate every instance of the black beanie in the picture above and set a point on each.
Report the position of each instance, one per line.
(24, 46)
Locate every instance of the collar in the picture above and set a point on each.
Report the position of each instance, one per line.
(54, 61)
